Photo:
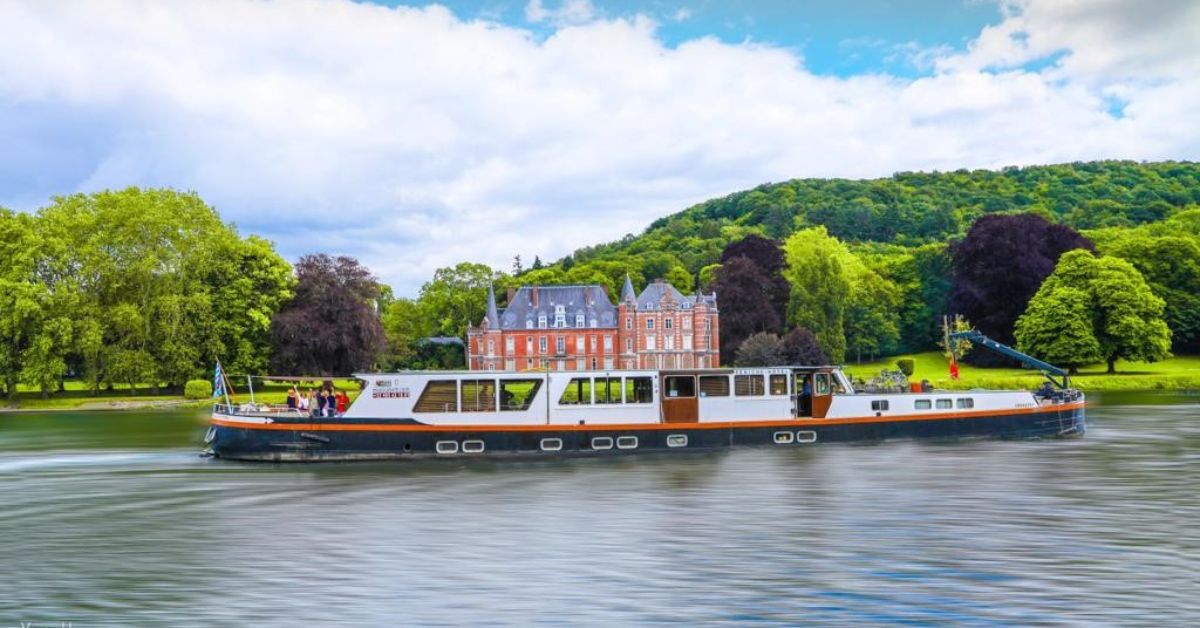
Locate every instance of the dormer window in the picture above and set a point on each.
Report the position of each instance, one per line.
(529, 323)
(560, 316)
(541, 321)
(579, 320)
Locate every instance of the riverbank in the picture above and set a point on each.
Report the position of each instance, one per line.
(1177, 373)
(76, 397)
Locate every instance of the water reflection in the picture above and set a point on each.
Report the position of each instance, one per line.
(125, 525)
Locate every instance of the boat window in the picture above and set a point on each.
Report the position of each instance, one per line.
(438, 396)
(602, 442)
(639, 390)
(714, 385)
(517, 394)
(821, 384)
(577, 393)
(879, 405)
(783, 438)
(447, 447)
(607, 389)
(748, 385)
(678, 386)
(922, 404)
(806, 436)
(479, 395)
(677, 440)
(779, 384)
(627, 442)
(472, 446)
(944, 404)
(551, 444)
(966, 402)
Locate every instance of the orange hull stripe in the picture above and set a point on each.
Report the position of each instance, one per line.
(360, 427)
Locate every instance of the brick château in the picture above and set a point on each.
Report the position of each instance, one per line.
(577, 328)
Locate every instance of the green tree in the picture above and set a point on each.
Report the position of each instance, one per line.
(819, 269)
(761, 349)
(457, 297)
(405, 323)
(1109, 293)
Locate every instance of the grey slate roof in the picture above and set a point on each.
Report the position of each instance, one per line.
(493, 319)
(627, 293)
(591, 301)
(651, 298)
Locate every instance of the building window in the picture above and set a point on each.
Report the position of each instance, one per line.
(593, 344)
(560, 316)
(529, 362)
(608, 364)
(629, 345)
(608, 344)
(579, 364)
(560, 344)
(541, 321)
(579, 321)
(510, 364)
(628, 323)
(707, 324)
(542, 344)
(650, 342)
(687, 322)
(666, 323)
(687, 342)
(649, 323)
(579, 344)
(528, 344)
(491, 347)
(510, 344)
(593, 323)
(593, 364)
(669, 343)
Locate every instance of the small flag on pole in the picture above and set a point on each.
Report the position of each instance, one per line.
(218, 381)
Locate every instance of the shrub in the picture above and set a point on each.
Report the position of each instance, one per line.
(905, 366)
(198, 389)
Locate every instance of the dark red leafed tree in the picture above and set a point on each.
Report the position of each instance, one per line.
(330, 327)
(766, 254)
(999, 266)
(743, 294)
(800, 346)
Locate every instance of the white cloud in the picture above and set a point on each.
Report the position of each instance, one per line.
(569, 12)
(414, 139)
(682, 14)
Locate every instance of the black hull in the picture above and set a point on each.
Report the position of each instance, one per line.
(345, 440)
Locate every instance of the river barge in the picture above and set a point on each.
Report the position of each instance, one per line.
(470, 414)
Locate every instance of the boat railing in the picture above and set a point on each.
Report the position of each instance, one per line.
(256, 409)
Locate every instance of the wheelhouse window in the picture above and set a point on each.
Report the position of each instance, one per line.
(517, 395)
(478, 395)
(438, 396)
(922, 404)
(778, 384)
(577, 393)
(821, 383)
(748, 385)
(680, 386)
(714, 385)
(966, 402)
(639, 390)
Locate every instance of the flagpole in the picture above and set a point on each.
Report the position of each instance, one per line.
(224, 384)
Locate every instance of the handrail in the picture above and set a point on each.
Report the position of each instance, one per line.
(1049, 370)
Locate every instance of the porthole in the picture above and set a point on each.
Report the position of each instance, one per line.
(447, 447)
(806, 436)
(677, 440)
(602, 442)
(627, 442)
(551, 444)
(784, 438)
(472, 446)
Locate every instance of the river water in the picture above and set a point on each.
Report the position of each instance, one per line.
(113, 519)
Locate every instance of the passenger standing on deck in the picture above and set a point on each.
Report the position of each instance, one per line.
(322, 402)
(343, 401)
(292, 401)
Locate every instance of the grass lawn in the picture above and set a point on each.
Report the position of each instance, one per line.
(1178, 373)
(77, 395)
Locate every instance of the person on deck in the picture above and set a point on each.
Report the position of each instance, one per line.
(322, 403)
(343, 401)
(292, 399)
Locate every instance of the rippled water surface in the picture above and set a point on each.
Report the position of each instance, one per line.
(112, 519)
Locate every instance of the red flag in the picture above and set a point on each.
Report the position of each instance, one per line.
(953, 368)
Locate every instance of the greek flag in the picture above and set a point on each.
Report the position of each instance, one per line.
(218, 381)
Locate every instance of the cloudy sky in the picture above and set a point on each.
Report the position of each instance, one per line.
(417, 136)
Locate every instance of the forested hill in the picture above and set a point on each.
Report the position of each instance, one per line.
(911, 208)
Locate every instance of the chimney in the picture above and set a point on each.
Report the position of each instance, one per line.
(511, 293)
(533, 299)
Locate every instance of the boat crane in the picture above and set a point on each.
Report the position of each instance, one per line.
(1047, 369)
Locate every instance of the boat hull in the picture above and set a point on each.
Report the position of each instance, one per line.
(300, 440)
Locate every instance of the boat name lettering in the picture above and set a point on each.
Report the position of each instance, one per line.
(390, 393)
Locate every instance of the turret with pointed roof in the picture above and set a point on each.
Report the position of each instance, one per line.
(627, 290)
(493, 317)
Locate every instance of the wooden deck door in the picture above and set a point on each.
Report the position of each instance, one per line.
(822, 393)
(679, 401)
